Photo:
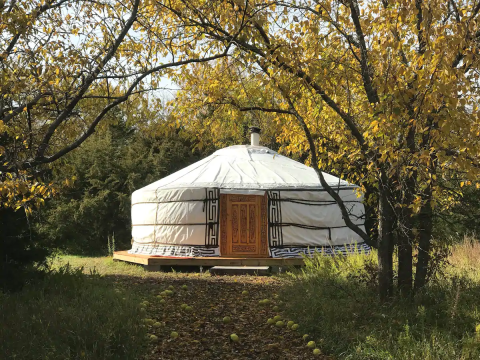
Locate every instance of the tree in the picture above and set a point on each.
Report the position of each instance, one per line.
(390, 85)
(65, 64)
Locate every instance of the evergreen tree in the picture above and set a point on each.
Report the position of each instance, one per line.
(107, 168)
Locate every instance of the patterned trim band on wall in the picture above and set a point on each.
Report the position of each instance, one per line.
(275, 234)
(171, 250)
(295, 252)
(212, 216)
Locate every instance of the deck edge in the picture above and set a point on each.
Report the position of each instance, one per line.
(205, 261)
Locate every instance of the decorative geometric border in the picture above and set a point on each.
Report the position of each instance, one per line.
(223, 224)
(284, 252)
(242, 198)
(174, 250)
(294, 252)
(275, 234)
(243, 248)
(212, 214)
(264, 226)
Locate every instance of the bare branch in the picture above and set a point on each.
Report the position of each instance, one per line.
(421, 39)
(17, 110)
(45, 160)
(269, 110)
(455, 9)
(371, 92)
(88, 81)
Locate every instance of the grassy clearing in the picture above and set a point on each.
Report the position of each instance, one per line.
(109, 309)
(118, 310)
(70, 316)
(335, 301)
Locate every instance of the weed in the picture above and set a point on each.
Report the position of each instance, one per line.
(110, 245)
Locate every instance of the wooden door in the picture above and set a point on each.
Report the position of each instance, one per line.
(243, 226)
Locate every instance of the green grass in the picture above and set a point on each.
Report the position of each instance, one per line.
(105, 266)
(100, 265)
(335, 302)
(88, 308)
(69, 315)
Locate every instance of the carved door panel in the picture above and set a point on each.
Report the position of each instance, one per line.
(243, 222)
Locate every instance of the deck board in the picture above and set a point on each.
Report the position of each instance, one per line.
(204, 261)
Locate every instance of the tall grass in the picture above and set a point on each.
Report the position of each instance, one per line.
(70, 316)
(465, 257)
(334, 300)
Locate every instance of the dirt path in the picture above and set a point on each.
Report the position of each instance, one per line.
(202, 333)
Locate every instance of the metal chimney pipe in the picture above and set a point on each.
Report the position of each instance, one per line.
(255, 135)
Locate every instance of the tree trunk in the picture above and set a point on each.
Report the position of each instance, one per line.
(371, 221)
(405, 239)
(405, 256)
(425, 219)
(425, 226)
(385, 244)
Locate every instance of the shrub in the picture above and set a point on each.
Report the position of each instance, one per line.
(68, 315)
(23, 255)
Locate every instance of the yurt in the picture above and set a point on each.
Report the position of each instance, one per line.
(244, 201)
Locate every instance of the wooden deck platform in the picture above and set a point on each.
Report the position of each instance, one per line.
(154, 261)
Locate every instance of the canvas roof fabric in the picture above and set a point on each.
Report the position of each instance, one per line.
(171, 212)
(242, 167)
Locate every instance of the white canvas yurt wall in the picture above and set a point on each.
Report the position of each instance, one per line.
(179, 214)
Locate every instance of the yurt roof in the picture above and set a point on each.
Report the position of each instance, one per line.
(245, 167)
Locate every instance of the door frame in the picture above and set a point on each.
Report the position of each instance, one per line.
(224, 241)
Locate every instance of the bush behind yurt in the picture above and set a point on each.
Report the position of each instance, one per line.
(108, 168)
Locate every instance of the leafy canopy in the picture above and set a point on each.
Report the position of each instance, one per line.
(384, 87)
(64, 65)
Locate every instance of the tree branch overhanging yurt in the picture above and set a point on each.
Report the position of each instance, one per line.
(245, 201)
